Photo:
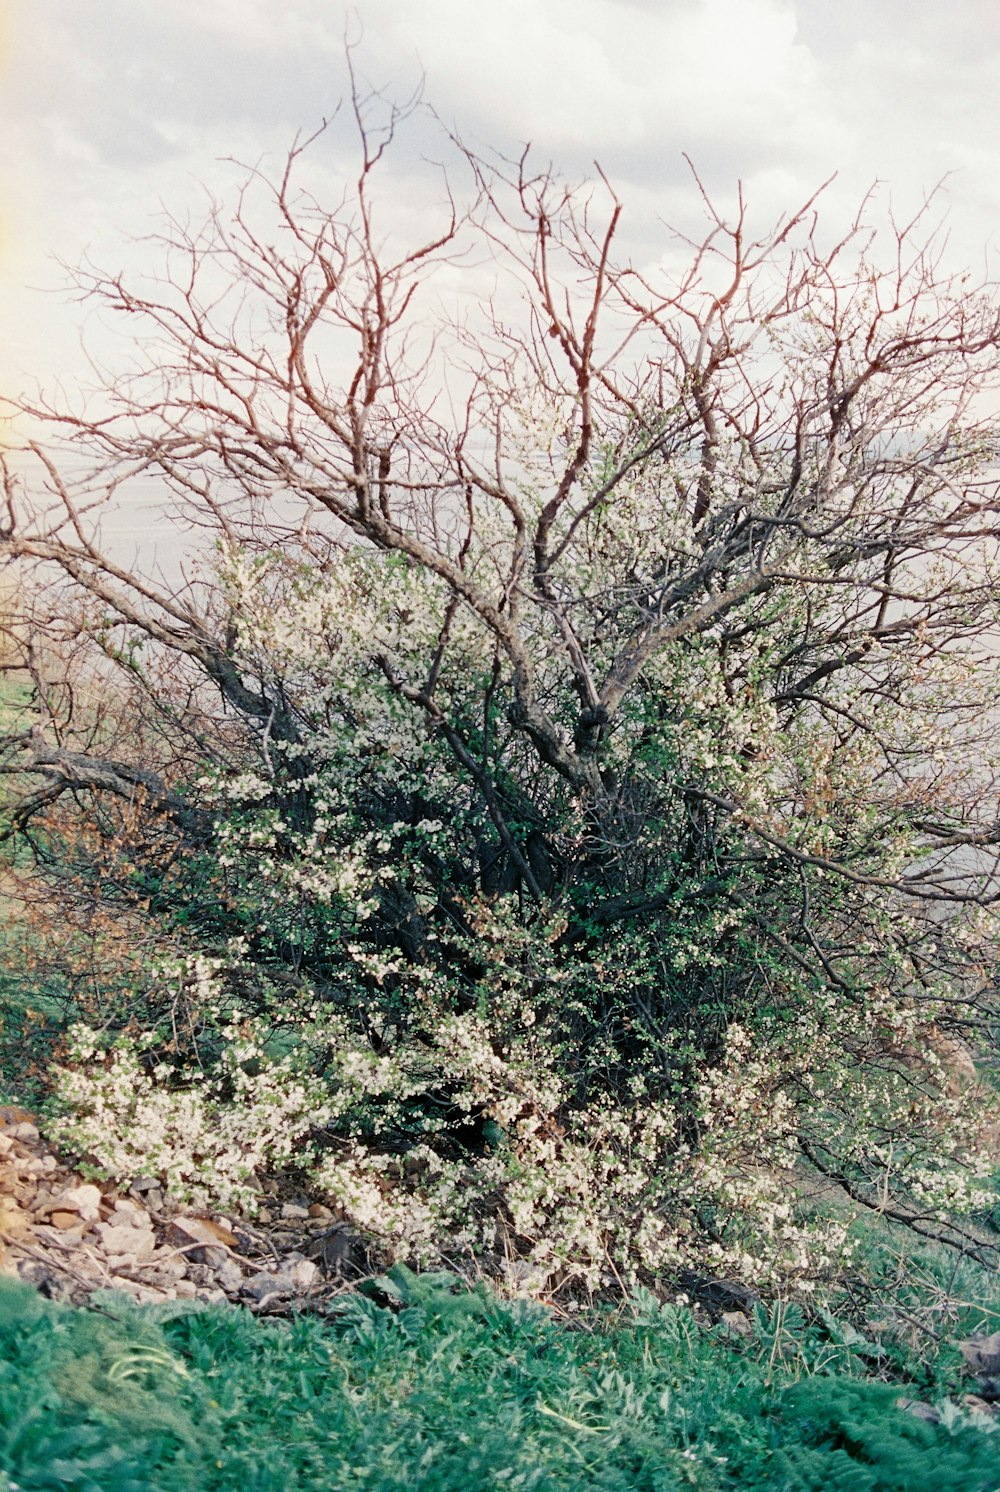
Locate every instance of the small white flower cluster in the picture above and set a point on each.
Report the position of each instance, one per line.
(208, 1138)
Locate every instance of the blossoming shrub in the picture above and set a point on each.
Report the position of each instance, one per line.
(607, 1082)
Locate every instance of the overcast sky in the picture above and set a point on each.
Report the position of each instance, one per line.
(113, 107)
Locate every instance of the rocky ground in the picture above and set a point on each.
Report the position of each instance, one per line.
(72, 1237)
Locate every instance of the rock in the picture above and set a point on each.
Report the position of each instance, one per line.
(149, 1193)
(205, 1276)
(165, 1271)
(338, 1251)
(292, 1210)
(64, 1220)
(737, 1323)
(14, 1221)
(919, 1410)
(144, 1294)
(318, 1210)
(263, 1216)
(134, 1243)
(261, 1286)
(85, 1199)
(17, 1187)
(982, 1354)
(524, 1276)
(976, 1405)
(717, 1295)
(229, 1276)
(303, 1275)
(188, 1231)
(128, 1215)
(24, 1131)
(213, 1256)
(185, 1289)
(6, 1144)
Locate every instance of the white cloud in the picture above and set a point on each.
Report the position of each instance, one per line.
(110, 108)
(596, 76)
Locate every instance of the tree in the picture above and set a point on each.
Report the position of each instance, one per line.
(581, 742)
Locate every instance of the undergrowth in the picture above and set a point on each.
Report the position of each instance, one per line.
(421, 1384)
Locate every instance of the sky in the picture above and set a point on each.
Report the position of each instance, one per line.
(114, 110)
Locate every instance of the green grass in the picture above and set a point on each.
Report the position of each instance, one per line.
(433, 1388)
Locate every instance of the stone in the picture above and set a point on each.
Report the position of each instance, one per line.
(17, 1187)
(531, 1279)
(261, 1287)
(14, 1221)
(292, 1210)
(134, 1243)
(213, 1256)
(166, 1270)
(919, 1410)
(24, 1131)
(229, 1276)
(64, 1220)
(339, 1252)
(144, 1294)
(185, 1231)
(737, 1323)
(318, 1210)
(185, 1289)
(85, 1199)
(128, 1215)
(982, 1354)
(148, 1192)
(301, 1273)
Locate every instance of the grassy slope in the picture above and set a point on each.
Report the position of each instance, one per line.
(443, 1391)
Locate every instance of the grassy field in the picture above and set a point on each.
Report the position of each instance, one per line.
(429, 1386)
